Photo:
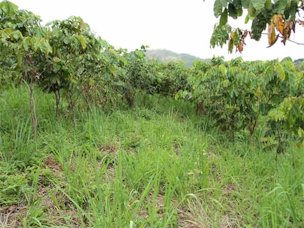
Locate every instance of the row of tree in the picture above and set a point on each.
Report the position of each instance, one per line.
(67, 59)
(240, 96)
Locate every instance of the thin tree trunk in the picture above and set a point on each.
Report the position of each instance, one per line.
(29, 76)
(57, 97)
(33, 110)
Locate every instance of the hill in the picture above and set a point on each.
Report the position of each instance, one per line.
(167, 55)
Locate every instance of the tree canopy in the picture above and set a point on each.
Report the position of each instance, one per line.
(279, 17)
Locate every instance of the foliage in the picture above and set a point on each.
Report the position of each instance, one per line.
(67, 59)
(166, 56)
(240, 95)
(152, 166)
(279, 16)
(287, 121)
(22, 42)
(153, 77)
(226, 92)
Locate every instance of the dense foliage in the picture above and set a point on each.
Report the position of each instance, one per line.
(279, 17)
(67, 59)
(242, 95)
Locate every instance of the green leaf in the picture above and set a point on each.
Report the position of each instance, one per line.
(258, 4)
(232, 11)
(224, 2)
(224, 17)
(8, 8)
(17, 35)
(247, 18)
(217, 8)
(56, 60)
(293, 10)
(251, 11)
(245, 3)
(268, 4)
(82, 41)
(280, 71)
(279, 6)
(230, 46)
(239, 12)
(66, 40)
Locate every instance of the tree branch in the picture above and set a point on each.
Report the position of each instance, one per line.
(292, 41)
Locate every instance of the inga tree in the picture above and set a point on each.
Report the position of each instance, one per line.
(69, 41)
(23, 46)
(279, 17)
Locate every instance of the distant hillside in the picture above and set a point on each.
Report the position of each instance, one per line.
(166, 56)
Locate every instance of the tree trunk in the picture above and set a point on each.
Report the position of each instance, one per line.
(57, 97)
(29, 76)
(200, 109)
(33, 110)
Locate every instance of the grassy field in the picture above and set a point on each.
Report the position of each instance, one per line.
(156, 165)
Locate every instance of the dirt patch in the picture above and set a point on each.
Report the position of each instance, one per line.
(160, 204)
(191, 218)
(11, 216)
(160, 201)
(227, 222)
(230, 188)
(177, 148)
(110, 173)
(192, 214)
(59, 209)
(109, 148)
(51, 163)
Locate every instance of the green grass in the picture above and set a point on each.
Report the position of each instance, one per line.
(157, 165)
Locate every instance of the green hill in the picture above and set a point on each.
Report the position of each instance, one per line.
(167, 56)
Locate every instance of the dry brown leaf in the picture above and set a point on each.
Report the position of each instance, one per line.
(278, 21)
(240, 47)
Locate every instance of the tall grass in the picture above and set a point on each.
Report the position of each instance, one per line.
(156, 165)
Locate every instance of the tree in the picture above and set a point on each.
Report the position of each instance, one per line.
(23, 46)
(278, 16)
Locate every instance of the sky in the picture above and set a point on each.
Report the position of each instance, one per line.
(183, 26)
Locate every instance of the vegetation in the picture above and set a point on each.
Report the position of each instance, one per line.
(154, 165)
(241, 96)
(129, 141)
(279, 17)
(170, 56)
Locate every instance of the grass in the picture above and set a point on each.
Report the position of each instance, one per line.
(156, 165)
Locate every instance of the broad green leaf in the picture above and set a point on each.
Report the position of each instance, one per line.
(239, 12)
(268, 4)
(8, 7)
(66, 40)
(247, 18)
(217, 8)
(56, 60)
(17, 35)
(224, 17)
(258, 4)
(224, 2)
(232, 11)
(230, 46)
(293, 10)
(251, 11)
(280, 71)
(82, 41)
(245, 3)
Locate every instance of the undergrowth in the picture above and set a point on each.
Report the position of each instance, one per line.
(156, 165)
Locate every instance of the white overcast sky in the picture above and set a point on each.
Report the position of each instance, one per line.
(183, 26)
